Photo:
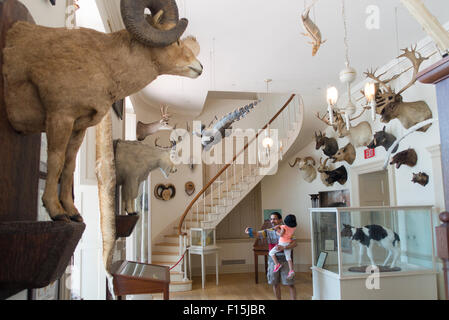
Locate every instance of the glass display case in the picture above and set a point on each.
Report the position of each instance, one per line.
(202, 237)
(390, 245)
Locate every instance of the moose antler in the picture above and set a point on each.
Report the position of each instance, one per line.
(384, 83)
(417, 59)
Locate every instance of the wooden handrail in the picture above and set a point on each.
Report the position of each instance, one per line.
(227, 166)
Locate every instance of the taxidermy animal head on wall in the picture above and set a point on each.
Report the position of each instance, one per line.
(45, 80)
(407, 157)
(212, 135)
(383, 139)
(390, 104)
(164, 191)
(347, 153)
(340, 175)
(421, 178)
(322, 168)
(145, 129)
(307, 170)
(330, 144)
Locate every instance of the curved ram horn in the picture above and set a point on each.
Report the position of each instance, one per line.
(136, 23)
(296, 161)
(325, 161)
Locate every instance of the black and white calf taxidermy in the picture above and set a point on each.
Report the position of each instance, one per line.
(370, 234)
(212, 136)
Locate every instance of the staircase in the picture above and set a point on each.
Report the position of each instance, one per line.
(223, 192)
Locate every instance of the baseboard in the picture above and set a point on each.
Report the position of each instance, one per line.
(242, 268)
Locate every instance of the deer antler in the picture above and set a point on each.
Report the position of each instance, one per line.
(361, 113)
(417, 59)
(323, 118)
(372, 75)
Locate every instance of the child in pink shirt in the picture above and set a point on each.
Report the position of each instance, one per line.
(285, 232)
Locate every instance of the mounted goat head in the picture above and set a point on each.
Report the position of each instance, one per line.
(407, 157)
(339, 175)
(145, 129)
(383, 139)
(322, 168)
(212, 136)
(330, 144)
(347, 153)
(360, 135)
(390, 104)
(421, 178)
(308, 172)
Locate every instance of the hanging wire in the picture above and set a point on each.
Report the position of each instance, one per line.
(343, 12)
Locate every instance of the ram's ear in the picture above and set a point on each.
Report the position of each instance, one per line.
(192, 44)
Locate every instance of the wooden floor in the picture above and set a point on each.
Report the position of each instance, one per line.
(242, 286)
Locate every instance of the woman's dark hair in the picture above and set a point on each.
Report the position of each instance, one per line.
(290, 221)
(277, 214)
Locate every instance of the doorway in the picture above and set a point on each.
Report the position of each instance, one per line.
(373, 189)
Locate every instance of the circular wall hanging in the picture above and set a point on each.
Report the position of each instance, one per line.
(164, 191)
(190, 188)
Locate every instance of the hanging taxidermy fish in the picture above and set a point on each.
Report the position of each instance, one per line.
(164, 191)
(190, 188)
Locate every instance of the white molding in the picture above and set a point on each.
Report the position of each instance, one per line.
(374, 166)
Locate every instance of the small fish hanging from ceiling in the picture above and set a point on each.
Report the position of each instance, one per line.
(312, 30)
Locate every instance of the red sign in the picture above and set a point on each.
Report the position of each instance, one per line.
(370, 153)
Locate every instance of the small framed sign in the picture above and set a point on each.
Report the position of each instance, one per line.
(321, 259)
(370, 153)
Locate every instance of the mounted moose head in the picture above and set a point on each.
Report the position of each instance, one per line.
(407, 157)
(308, 172)
(340, 175)
(360, 135)
(390, 105)
(383, 139)
(347, 153)
(322, 168)
(330, 144)
(421, 178)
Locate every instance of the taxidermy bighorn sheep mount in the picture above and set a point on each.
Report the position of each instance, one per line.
(62, 81)
(330, 144)
(360, 135)
(143, 130)
(312, 30)
(407, 157)
(347, 153)
(164, 192)
(383, 139)
(322, 168)
(308, 172)
(134, 160)
(212, 136)
(390, 104)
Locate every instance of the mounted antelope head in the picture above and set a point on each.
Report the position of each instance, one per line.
(308, 171)
(322, 168)
(347, 153)
(390, 104)
(145, 129)
(360, 135)
(330, 144)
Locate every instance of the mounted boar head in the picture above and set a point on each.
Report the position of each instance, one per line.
(330, 144)
(383, 139)
(347, 153)
(421, 178)
(340, 175)
(390, 104)
(407, 157)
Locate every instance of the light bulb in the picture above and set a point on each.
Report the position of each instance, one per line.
(332, 96)
(370, 90)
(267, 142)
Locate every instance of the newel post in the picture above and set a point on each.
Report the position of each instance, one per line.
(442, 237)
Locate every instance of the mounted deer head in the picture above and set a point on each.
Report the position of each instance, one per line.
(390, 104)
(145, 129)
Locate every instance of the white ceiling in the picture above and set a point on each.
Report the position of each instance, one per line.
(244, 42)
